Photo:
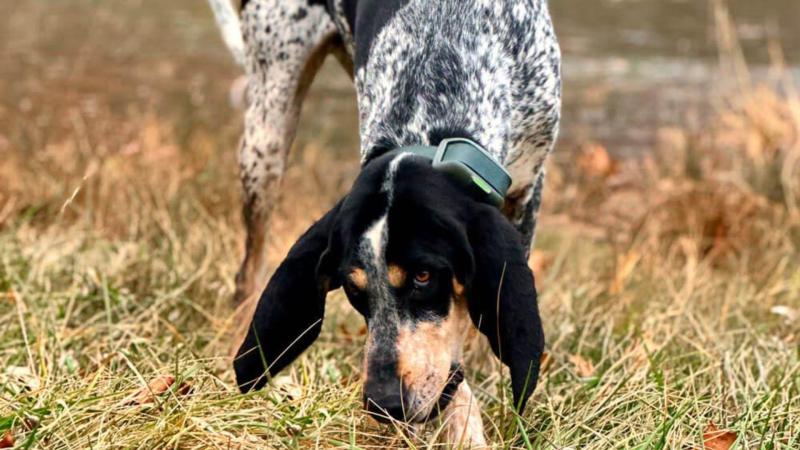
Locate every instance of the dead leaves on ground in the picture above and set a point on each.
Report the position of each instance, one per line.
(626, 264)
(583, 367)
(716, 439)
(22, 377)
(8, 440)
(9, 296)
(540, 261)
(595, 162)
(352, 336)
(713, 437)
(157, 387)
(789, 314)
(545, 362)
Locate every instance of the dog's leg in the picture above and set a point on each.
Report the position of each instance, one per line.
(286, 42)
(463, 423)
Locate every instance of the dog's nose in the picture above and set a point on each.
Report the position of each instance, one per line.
(385, 408)
(384, 392)
(383, 400)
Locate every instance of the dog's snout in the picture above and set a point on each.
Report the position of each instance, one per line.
(386, 408)
(385, 402)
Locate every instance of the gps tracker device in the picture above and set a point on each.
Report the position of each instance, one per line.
(471, 166)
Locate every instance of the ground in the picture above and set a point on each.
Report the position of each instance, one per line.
(670, 289)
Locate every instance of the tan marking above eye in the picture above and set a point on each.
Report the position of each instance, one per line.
(359, 278)
(397, 275)
(458, 288)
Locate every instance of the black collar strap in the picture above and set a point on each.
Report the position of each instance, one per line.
(470, 165)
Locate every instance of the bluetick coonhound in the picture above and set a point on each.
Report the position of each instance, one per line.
(419, 255)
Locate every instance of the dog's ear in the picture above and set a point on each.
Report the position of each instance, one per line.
(502, 299)
(288, 317)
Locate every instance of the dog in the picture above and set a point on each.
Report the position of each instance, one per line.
(420, 254)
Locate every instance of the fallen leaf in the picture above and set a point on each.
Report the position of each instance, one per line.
(10, 296)
(540, 262)
(350, 336)
(625, 266)
(636, 354)
(8, 440)
(186, 388)
(156, 387)
(30, 422)
(716, 439)
(545, 362)
(583, 367)
(789, 314)
(287, 386)
(25, 376)
(595, 162)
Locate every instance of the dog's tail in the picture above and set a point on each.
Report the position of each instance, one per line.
(229, 25)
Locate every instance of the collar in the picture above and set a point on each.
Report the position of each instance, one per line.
(470, 165)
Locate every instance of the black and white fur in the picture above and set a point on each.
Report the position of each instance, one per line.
(424, 71)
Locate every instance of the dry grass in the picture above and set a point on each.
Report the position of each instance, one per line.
(670, 290)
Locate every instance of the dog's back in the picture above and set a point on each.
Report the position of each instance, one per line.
(426, 70)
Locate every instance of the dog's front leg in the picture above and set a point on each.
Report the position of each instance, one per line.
(463, 423)
(286, 42)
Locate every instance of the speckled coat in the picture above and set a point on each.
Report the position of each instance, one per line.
(424, 71)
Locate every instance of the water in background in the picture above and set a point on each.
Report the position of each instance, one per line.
(672, 28)
(630, 67)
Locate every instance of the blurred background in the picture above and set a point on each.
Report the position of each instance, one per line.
(115, 79)
(630, 66)
(668, 240)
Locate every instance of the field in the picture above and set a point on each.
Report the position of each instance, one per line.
(669, 281)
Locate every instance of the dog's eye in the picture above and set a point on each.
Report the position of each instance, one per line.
(422, 278)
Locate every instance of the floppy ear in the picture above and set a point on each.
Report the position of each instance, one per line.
(502, 299)
(288, 317)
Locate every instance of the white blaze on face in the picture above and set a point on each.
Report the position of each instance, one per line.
(375, 238)
(377, 235)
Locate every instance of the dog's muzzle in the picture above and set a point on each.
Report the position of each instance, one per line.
(385, 406)
(454, 379)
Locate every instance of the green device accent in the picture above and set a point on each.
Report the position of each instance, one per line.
(482, 184)
(471, 165)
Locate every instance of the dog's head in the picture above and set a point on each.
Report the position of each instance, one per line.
(417, 257)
